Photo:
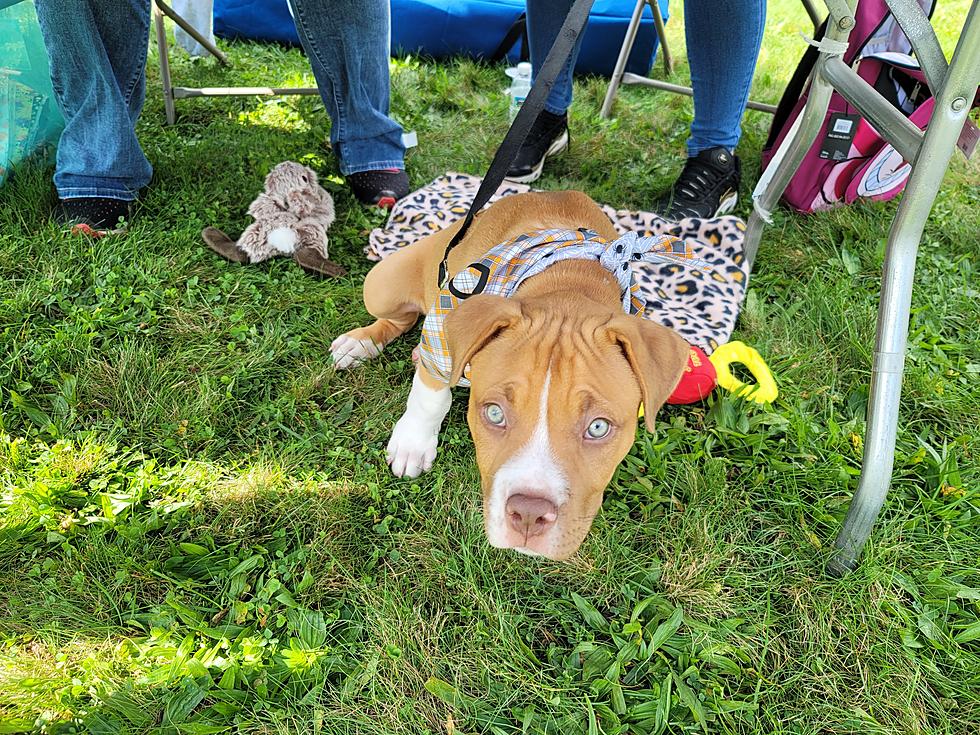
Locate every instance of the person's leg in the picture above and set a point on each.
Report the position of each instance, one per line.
(97, 51)
(544, 20)
(347, 42)
(549, 135)
(723, 40)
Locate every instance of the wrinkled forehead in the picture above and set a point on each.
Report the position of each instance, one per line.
(578, 372)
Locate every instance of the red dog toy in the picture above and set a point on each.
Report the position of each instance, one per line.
(698, 380)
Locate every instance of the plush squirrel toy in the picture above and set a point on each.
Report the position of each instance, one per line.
(291, 219)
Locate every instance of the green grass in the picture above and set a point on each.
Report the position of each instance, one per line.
(198, 532)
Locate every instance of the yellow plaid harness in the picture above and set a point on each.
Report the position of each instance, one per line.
(505, 267)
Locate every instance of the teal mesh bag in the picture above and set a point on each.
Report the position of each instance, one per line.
(30, 121)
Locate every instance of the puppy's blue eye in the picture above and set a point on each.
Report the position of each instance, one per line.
(494, 414)
(598, 429)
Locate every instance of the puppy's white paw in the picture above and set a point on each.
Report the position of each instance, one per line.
(348, 351)
(411, 449)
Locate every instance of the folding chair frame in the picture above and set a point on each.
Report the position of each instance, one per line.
(954, 87)
(171, 93)
(620, 77)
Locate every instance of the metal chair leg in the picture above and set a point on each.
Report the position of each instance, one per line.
(815, 16)
(624, 54)
(162, 50)
(191, 31)
(620, 77)
(950, 113)
(790, 154)
(658, 22)
(915, 24)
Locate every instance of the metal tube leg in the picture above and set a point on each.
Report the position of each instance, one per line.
(913, 20)
(192, 32)
(793, 149)
(162, 50)
(928, 169)
(658, 22)
(624, 54)
(767, 193)
(811, 10)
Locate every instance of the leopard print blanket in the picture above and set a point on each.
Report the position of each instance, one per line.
(698, 297)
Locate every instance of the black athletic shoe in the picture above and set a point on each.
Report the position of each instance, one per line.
(379, 188)
(547, 137)
(707, 187)
(93, 216)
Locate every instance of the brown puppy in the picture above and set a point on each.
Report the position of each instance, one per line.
(557, 372)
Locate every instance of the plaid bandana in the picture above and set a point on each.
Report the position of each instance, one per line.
(505, 267)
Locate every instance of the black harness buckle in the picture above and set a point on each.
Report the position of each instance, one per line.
(481, 284)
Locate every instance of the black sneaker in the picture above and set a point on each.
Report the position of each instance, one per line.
(379, 188)
(707, 187)
(547, 137)
(93, 216)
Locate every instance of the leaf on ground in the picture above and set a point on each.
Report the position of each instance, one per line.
(193, 549)
(588, 611)
(852, 263)
(182, 702)
(666, 629)
(968, 634)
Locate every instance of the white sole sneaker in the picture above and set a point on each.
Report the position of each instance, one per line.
(727, 204)
(559, 145)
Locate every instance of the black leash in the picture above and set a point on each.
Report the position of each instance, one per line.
(533, 104)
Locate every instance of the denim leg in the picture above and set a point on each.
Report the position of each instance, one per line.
(723, 40)
(97, 51)
(348, 45)
(544, 20)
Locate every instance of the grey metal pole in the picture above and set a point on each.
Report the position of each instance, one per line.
(162, 50)
(624, 53)
(839, 26)
(897, 129)
(811, 119)
(815, 17)
(928, 169)
(629, 78)
(658, 22)
(921, 35)
(192, 31)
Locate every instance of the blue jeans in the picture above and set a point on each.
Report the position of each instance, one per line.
(723, 40)
(348, 43)
(97, 52)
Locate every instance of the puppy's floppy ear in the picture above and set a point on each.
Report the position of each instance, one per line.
(656, 354)
(474, 324)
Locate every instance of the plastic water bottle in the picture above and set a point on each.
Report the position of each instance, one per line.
(519, 87)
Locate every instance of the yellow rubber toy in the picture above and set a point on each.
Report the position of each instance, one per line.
(764, 390)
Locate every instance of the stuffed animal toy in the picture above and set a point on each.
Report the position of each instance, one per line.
(291, 219)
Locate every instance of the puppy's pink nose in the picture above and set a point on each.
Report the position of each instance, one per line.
(530, 515)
